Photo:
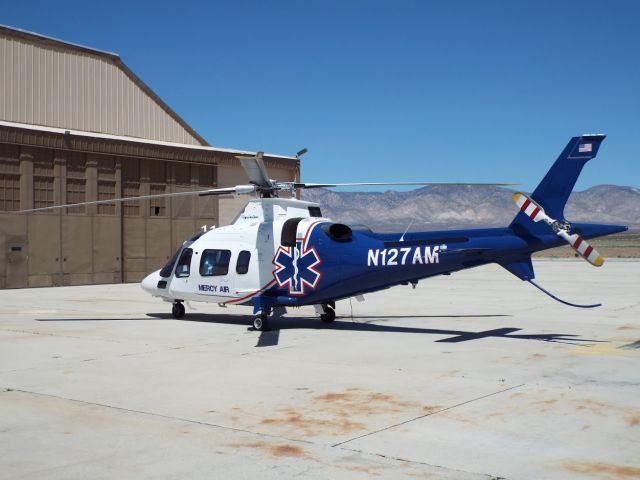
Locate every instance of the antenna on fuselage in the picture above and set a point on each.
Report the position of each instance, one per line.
(406, 230)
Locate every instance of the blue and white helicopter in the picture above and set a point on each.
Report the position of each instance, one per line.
(281, 252)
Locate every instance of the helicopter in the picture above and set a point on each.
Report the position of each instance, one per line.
(281, 252)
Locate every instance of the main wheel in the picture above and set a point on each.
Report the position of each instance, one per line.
(329, 314)
(177, 310)
(261, 323)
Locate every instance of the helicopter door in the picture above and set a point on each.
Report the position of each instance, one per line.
(214, 272)
(183, 271)
(246, 272)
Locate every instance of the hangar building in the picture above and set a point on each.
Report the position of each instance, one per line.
(76, 124)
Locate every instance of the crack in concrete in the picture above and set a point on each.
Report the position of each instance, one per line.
(417, 462)
(157, 415)
(427, 415)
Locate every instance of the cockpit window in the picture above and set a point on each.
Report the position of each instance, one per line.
(214, 262)
(168, 268)
(184, 264)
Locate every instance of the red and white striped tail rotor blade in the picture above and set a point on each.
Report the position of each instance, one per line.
(531, 209)
(536, 213)
(582, 247)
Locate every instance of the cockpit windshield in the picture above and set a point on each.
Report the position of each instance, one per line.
(168, 268)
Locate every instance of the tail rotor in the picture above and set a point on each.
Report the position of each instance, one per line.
(561, 228)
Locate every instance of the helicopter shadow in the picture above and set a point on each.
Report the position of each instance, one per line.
(364, 324)
(269, 338)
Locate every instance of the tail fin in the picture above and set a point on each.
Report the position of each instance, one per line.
(553, 191)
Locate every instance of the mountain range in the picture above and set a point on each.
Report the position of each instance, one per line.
(445, 207)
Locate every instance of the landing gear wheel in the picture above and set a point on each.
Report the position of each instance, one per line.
(177, 310)
(329, 314)
(261, 323)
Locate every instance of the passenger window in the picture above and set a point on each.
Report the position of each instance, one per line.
(242, 266)
(184, 264)
(214, 262)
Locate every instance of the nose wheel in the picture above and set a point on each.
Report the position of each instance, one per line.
(177, 310)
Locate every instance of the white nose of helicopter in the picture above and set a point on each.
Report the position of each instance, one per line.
(150, 283)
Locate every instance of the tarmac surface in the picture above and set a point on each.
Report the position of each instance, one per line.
(471, 376)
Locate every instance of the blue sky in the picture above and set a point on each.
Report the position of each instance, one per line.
(380, 91)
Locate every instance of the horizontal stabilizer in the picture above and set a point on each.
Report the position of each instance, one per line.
(521, 267)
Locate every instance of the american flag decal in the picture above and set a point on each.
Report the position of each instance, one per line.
(584, 148)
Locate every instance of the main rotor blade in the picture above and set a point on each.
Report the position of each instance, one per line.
(255, 169)
(377, 184)
(213, 191)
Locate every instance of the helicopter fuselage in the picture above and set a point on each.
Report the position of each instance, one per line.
(281, 252)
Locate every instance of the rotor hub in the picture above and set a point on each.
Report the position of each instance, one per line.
(558, 226)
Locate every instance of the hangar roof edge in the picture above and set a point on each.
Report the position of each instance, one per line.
(28, 33)
(81, 133)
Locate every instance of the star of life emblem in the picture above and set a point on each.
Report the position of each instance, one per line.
(296, 268)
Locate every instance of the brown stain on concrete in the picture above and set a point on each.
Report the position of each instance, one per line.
(284, 450)
(629, 415)
(603, 470)
(537, 356)
(593, 406)
(428, 409)
(313, 425)
(625, 327)
(543, 405)
(275, 450)
(495, 414)
(355, 400)
(585, 427)
(333, 397)
(457, 417)
(375, 471)
(341, 412)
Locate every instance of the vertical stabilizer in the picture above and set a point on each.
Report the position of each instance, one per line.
(553, 191)
(556, 186)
